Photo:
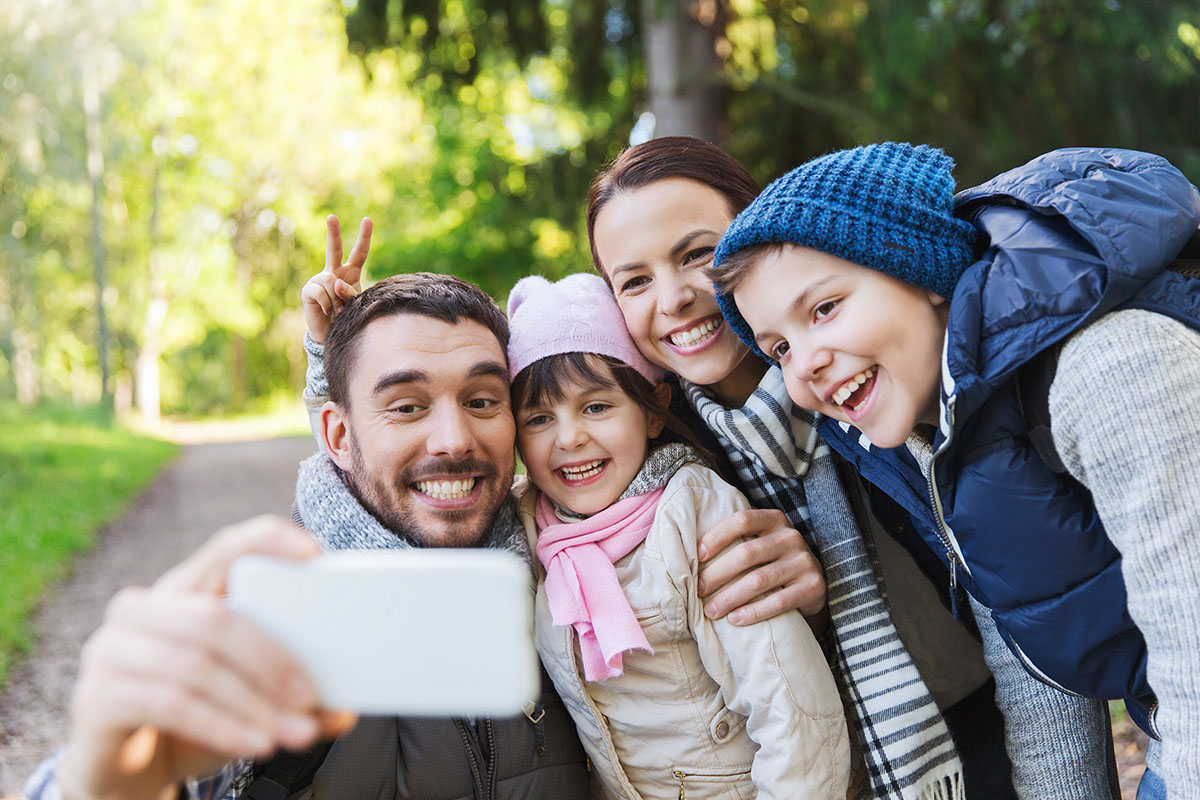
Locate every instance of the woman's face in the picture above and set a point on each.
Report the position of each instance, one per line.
(653, 244)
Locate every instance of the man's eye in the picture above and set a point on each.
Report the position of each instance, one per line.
(779, 351)
(480, 403)
(407, 408)
(825, 309)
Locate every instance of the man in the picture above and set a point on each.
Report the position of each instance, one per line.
(419, 437)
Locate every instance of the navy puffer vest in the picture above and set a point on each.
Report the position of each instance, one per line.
(1070, 236)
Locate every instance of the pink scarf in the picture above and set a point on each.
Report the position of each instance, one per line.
(581, 582)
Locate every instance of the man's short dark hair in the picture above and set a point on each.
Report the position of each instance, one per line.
(428, 294)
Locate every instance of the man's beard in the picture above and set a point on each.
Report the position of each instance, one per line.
(381, 497)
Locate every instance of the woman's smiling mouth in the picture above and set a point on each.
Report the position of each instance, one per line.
(696, 336)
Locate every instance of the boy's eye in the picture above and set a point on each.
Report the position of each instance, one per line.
(825, 309)
(779, 351)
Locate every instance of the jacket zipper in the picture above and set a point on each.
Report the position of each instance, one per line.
(935, 503)
(679, 776)
(472, 755)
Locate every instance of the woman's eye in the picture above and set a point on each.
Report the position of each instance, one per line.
(635, 282)
(779, 351)
(825, 309)
(698, 255)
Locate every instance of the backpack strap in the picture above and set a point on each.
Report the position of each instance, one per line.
(1033, 382)
(287, 773)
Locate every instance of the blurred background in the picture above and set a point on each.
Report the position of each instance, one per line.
(166, 165)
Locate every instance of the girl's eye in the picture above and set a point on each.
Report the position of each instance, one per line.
(597, 408)
(536, 420)
(635, 282)
(825, 309)
(698, 255)
(779, 351)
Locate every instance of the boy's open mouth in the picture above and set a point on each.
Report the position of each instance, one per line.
(854, 391)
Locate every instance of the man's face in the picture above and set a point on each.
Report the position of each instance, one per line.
(428, 439)
(853, 343)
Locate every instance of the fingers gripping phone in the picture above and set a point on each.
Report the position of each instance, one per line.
(414, 632)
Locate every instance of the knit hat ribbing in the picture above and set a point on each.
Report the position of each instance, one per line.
(885, 206)
(577, 314)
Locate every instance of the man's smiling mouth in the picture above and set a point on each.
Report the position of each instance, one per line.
(446, 489)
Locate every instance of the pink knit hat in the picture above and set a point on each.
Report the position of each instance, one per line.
(577, 314)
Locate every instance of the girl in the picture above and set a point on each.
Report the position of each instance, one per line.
(654, 218)
(666, 701)
(1031, 410)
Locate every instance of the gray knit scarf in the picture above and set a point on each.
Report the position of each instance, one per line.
(779, 457)
(327, 507)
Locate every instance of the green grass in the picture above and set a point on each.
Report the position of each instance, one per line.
(63, 474)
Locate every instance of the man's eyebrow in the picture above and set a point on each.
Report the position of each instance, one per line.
(386, 382)
(487, 369)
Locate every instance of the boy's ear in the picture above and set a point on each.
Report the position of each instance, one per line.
(935, 299)
(335, 431)
(662, 394)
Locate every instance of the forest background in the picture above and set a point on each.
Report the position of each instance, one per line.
(165, 165)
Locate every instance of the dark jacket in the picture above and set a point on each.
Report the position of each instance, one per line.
(458, 759)
(1069, 237)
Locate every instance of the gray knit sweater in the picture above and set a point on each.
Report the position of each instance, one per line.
(1124, 417)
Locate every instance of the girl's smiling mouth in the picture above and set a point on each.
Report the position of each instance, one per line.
(583, 473)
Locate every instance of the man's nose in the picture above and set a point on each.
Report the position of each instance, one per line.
(452, 433)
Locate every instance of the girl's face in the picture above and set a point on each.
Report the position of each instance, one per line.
(585, 449)
(854, 344)
(653, 244)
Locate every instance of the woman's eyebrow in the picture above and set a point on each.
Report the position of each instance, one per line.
(687, 239)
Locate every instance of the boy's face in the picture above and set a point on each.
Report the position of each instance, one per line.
(854, 344)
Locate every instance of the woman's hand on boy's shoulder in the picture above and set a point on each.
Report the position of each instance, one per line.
(760, 567)
(326, 293)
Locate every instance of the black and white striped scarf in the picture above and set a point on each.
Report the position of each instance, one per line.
(781, 461)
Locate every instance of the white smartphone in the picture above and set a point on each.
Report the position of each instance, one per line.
(415, 632)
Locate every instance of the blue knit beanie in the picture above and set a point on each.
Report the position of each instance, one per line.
(885, 206)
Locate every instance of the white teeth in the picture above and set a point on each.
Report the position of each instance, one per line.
(446, 490)
(696, 334)
(582, 471)
(851, 386)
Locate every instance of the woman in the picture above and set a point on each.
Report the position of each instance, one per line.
(654, 218)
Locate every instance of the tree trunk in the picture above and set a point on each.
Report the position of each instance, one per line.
(149, 399)
(682, 67)
(243, 274)
(95, 171)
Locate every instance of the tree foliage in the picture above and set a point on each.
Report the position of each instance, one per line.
(470, 130)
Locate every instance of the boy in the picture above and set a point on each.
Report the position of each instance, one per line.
(936, 334)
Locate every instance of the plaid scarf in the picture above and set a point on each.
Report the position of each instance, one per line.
(781, 461)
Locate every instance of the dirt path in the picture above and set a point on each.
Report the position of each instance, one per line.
(209, 486)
